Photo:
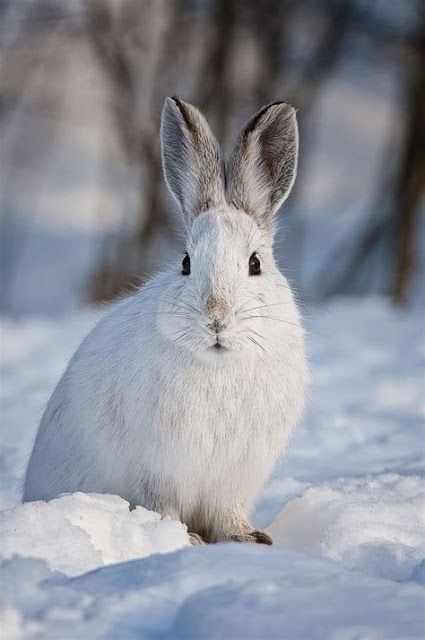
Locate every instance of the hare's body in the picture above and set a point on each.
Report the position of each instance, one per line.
(184, 395)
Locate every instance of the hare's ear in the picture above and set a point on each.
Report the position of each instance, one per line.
(191, 158)
(263, 165)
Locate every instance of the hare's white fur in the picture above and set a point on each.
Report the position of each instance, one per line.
(151, 409)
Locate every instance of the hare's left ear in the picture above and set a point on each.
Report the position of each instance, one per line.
(191, 158)
(263, 165)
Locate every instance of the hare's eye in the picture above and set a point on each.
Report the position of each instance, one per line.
(254, 265)
(186, 265)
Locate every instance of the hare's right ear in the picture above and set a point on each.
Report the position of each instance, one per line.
(191, 158)
(262, 168)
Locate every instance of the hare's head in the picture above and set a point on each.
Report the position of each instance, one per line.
(227, 279)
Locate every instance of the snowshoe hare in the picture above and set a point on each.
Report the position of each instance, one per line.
(184, 395)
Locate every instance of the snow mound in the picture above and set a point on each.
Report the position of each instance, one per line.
(79, 532)
(209, 592)
(375, 525)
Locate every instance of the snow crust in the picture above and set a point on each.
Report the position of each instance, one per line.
(346, 509)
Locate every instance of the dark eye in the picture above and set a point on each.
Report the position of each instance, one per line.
(254, 265)
(186, 265)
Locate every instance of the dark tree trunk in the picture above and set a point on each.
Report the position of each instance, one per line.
(132, 73)
(411, 184)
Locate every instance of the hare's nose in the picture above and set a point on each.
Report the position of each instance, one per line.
(217, 311)
(216, 325)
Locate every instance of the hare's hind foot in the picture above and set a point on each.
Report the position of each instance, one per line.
(236, 528)
(253, 537)
(196, 539)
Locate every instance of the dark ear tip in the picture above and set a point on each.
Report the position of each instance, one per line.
(284, 108)
(176, 99)
(184, 109)
(171, 102)
(179, 102)
(175, 108)
(273, 108)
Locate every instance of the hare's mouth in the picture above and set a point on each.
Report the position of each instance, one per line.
(218, 346)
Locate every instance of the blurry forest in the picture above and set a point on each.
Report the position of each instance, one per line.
(85, 213)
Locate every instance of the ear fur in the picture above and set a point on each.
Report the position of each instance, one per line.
(191, 158)
(263, 165)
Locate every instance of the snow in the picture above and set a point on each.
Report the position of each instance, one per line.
(222, 591)
(86, 531)
(375, 525)
(346, 508)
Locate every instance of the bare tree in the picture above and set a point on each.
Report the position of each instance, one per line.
(410, 182)
(139, 47)
(134, 43)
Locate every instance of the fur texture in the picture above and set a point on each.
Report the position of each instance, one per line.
(185, 394)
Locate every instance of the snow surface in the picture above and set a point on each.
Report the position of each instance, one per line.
(89, 531)
(375, 525)
(346, 508)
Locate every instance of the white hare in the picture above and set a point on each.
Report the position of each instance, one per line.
(184, 395)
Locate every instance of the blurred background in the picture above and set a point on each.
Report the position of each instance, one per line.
(85, 213)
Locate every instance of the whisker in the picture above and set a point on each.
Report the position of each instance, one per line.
(182, 302)
(177, 306)
(181, 339)
(173, 314)
(274, 304)
(260, 335)
(243, 304)
(180, 332)
(294, 324)
(254, 341)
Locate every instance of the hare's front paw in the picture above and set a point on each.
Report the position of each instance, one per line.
(255, 537)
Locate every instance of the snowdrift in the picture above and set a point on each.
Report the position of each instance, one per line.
(375, 525)
(79, 532)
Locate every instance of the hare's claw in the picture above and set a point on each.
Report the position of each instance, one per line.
(196, 539)
(254, 537)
